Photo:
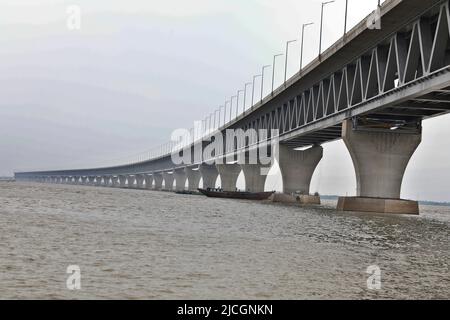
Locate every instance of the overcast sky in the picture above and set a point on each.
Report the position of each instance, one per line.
(138, 69)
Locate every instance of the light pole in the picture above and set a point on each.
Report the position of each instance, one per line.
(345, 19)
(262, 80)
(245, 95)
(286, 58)
(231, 106)
(303, 37)
(321, 24)
(220, 115)
(253, 91)
(215, 118)
(237, 104)
(210, 121)
(225, 113)
(273, 69)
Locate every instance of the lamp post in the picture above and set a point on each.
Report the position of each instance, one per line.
(345, 19)
(262, 80)
(210, 121)
(253, 91)
(215, 118)
(321, 24)
(273, 69)
(303, 38)
(225, 113)
(231, 106)
(245, 95)
(220, 115)
(286, 59)
(237, 103)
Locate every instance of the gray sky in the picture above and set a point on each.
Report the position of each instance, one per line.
(138, 69)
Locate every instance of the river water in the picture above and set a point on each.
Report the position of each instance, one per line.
(133, 244)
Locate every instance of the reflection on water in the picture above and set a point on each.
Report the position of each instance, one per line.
(133, 244)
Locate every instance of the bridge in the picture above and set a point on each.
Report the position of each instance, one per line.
(372, 88)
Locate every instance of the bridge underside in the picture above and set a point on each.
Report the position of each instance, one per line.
(403, 116)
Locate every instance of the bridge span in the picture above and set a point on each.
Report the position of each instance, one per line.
(372, 88)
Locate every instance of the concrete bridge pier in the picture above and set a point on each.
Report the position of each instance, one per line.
(158, 177)
(297, 168)
(106, 181)
(255, 176)
(148, 181)
(229, 174)
(168, 181)
(131, 179)
(115, 182)
(180, 179)
(193, 177)
(98, 181)
(209, 175)
(140, 181)
(84, 180)
(380, 160)
(122, 181)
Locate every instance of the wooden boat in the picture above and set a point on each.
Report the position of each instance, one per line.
(214, 193)
(185, 192)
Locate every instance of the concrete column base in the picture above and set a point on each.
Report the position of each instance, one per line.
(299, 199)
(378, 205)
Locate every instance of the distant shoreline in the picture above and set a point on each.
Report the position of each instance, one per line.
(323, 197)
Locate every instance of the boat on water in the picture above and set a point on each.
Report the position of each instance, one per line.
(217, 193)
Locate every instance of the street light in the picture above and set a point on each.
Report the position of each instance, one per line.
(225, 113)
(321, 24)
(253, 91)
(231, 106)
(273, 69)
(286, 60)
(262, 79)
(215, 118)
(245, 95)
(220, 115)
(303, 37)
(237, 105)
(210, 122)
(345, 19)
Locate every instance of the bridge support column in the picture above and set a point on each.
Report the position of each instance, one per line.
(158, 177)
(115, 182)
(255, 176)
(193, 177)
(106, 181)
(98, 181)
(229, 174)
(148, 181)
(209, 175)
(297, 168)
(84, 180)
(168, 181)
(122, 181)
(140, 181)
(380, 160)
(131, 180)
(180, 179)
